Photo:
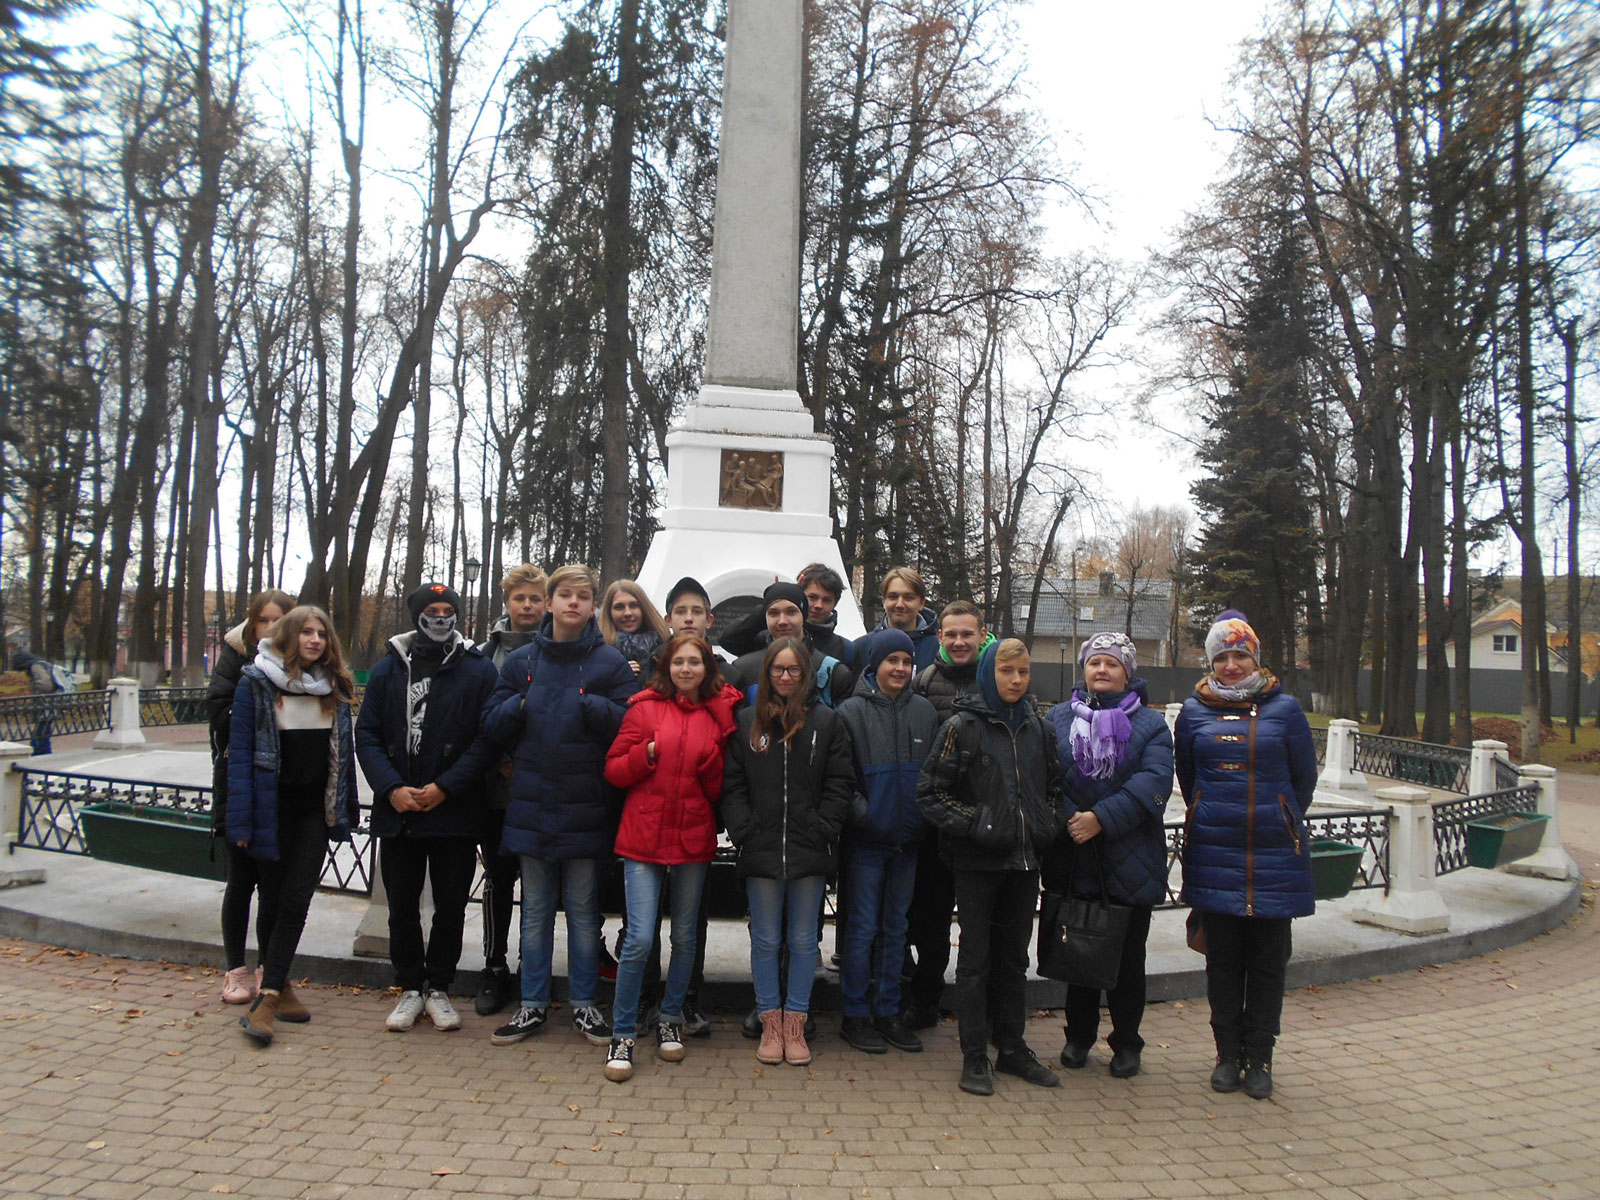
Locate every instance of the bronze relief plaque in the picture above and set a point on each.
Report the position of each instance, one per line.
(752, 479)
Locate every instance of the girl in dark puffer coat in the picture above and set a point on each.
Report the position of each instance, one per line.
(785, 792)
(1116, 762)
(669, 755)
(1248, 769)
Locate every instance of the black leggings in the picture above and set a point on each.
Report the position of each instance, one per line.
(287, 886)
(244, 877)
(1247, 960)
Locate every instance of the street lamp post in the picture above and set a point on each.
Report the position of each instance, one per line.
(474, 568)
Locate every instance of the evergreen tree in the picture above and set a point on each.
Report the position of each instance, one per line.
(1257, 547)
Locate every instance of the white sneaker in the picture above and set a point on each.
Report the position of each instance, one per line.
(405, 1012)
(440, 1011)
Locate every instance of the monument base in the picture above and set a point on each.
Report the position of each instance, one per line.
(738, 541)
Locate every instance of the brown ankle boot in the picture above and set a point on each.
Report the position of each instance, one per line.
(771, 1049)
(289, 1006)
(795, 1051)
(257, 1023)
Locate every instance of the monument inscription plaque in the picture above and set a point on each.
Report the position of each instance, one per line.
(751, 479)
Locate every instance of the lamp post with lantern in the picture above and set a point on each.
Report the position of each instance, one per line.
(473, 569)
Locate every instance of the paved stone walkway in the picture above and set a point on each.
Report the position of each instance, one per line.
(122, 1079)
(127, 1079)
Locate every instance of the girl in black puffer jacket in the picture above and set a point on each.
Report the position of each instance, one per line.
(786, 790)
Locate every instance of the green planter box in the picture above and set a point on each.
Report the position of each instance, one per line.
(1334, 865)
(157, 839)
(1495, 841)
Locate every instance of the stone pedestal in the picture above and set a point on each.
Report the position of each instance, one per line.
(1550, 860)
(1480, 768)
(125, 733)
(1413, 904)
(1339, 772)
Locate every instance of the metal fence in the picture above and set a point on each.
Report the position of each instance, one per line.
(172, 706)
(51, 801)
(66, 712)
(1368, 829)
(1319, 739)
(1425, 763)
(1450, 819)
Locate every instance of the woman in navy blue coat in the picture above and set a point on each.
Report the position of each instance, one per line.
(1247, 768)
(1116, 760)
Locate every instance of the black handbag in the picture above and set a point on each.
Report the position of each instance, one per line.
(1080, 941)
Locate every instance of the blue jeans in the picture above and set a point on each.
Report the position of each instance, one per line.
(641, 885)
(877, 902)
(768, 937)
(575, 882)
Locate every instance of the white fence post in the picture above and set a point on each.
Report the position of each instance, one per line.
(1339, 764)
(11, 811)
(1172, 718)
(124, 733)
(1550, 860)
(1412, 904)
(1480, 771)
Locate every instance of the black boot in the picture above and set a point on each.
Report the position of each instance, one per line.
(1258, 1077)
(1228, 1074)
(494, 991)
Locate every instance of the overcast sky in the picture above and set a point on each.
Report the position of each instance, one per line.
(1127, 90)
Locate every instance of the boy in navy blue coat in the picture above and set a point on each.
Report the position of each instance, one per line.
(556, 709)
(417, 739)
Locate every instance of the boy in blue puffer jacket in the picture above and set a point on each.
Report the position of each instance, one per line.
(891, 732)
(556, 709)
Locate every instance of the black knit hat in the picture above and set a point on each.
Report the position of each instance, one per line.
(432, 593)
(784, 591)
(688, 585)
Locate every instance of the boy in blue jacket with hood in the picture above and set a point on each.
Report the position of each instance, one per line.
(891, 733)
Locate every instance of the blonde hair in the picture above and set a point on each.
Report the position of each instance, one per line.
(285, 643)
(573, 575)
(652, 617)
(1010, 648)
(527, 575)
(909, 576)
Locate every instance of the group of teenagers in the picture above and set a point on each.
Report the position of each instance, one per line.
(911, 765)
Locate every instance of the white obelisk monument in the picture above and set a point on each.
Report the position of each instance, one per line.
(747, 476)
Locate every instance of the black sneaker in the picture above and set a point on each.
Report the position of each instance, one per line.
(1025, 1065)
(695, 1022)
(752, 1025)
(619, 1060)
(592, 1023)
(896, 1033)
(494, 991)
(528, 1020)
(859, 1032)
(669, 1041)
(977, 1076)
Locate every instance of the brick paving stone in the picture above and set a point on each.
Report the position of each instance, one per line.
(1466, 1079)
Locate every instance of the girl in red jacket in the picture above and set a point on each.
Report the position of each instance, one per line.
(668, 754)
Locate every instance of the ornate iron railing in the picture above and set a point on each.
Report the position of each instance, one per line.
(48, 819)
(1450, 818)
(66, 712)
(1506, 774)
(1368, 829)
(172, 706)
(1433, 766)
(1319, 739)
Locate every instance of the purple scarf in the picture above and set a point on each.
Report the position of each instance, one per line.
(1100, 735)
